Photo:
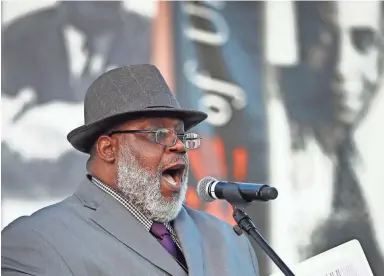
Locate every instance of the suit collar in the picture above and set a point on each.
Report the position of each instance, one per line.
(89, 194)
(191, 241)
(114, 218)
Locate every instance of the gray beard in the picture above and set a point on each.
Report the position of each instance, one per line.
(143, 188)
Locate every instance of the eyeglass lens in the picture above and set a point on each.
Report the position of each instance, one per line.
(168, 137)
(191, 140)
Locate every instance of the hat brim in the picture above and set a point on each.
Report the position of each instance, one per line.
(83, 137)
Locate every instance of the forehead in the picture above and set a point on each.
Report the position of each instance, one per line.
(155, 122)
(359, 14)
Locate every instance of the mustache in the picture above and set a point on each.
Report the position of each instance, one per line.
(181, 157)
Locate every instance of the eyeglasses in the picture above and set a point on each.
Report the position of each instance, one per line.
(168, 137)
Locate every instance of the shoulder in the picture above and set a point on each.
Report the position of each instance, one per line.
(211, 224)
(28, 27)
(221, 234)
(137, 26)
(22, 42)
(44, 220)
(206, 219)
(26, 244)
(136, 19)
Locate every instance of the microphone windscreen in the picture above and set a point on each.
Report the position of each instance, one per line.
(202, 188)
(271, 193)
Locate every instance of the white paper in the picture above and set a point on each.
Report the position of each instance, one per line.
(347, 259)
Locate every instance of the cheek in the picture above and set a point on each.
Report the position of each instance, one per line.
(148, 154)
(371, 66)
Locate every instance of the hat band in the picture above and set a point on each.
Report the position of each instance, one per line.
(159, 106)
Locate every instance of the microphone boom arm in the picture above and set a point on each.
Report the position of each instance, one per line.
(244, 223)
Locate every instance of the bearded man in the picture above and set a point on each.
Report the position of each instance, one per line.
(127, 216)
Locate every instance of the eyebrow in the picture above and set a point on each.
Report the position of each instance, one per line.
(179, 127)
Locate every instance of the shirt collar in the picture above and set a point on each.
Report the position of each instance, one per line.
(147, 223)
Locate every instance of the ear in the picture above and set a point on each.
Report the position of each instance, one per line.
(106, 148)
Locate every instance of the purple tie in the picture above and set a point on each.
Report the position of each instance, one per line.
(164, 237)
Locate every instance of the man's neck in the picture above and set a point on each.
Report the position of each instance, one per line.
(107, 179)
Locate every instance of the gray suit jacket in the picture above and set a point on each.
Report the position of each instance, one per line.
(90, 233)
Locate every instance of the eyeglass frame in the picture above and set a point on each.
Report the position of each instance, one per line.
(180, 136)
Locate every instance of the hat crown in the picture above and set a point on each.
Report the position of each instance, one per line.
(127, 89)
(122, 94)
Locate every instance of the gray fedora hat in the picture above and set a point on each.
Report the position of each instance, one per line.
(125, 93)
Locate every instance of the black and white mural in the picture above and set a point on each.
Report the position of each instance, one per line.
(50, 55)
(311, 74)
(325, 115)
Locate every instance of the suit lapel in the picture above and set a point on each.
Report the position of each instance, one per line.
(191, 242)
(120, 223)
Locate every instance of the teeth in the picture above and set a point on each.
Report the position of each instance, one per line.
(170, 179)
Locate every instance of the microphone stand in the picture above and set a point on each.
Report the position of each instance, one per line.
(244, 223)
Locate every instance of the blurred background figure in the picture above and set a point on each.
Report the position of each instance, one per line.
(294, 93)
(49, 58)
(330, 94)
(357, 82)
(58, 50)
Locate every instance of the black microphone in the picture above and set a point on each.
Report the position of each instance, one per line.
(239, 195)
(210, 189)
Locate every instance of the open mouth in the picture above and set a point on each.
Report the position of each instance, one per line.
(173, 174)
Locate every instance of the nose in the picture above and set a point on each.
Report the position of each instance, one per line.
(177, 148)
